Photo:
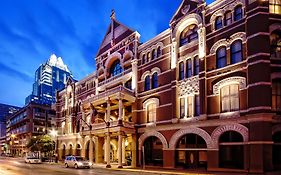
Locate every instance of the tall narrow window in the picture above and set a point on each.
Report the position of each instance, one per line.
(159, 52)
(153, 54)
(236, 52)
(275, 6)
(143, 59)
(182, 107)
(227, 18)
(197, 105)
(221, 57)
(151, 113)
(189, 68)
(147, 83)
(230, 98)
(115, 68)
(196, 65)
(148, 57)
(238, 14)
(276, 96)
(155, 80)
(218, 23)
(189, 106)
(181, 71)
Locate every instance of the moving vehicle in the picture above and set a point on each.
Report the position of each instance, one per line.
(76, 162)
(32, 160)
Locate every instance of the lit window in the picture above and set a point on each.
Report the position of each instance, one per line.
(188, 35)
(238, 14)
(236, 52)
(218, 23)
(182, 108)
(151, 112)
(116, 68)
(159, 52)
(221, 57)
(276, 96)
(196, 65)
(229, 98)
(154, 80)
(275, 6)
(189, 111)
(189, 68)
(181, 71)
(227, 18)
(147, 83)
(153, 54)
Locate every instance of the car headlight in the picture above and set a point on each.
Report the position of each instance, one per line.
(79, 164)
(90, 164)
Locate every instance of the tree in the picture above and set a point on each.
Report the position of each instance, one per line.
(42, 143)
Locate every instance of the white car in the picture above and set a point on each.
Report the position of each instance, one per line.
(32, 160)
(77, 162)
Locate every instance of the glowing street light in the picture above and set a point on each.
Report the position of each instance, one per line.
(53, 132)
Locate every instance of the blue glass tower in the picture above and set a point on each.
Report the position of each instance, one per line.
(49, 78)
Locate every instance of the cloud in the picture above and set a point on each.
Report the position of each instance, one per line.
(11, 71)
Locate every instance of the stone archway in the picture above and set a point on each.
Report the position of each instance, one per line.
(153, 133)
(193, 130)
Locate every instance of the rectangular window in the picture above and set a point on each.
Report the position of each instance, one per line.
(197, 105)
(181, 71)
(188, 69)
(228, 18)
(275, 6)
(189, 106)
(182, 108)
(276, 96)
(230, 98)
(151, 112)
(196, 65)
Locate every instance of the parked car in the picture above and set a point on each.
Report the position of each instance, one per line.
(76, 162)
(32, 160)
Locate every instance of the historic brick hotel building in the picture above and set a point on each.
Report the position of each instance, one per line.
(203, 94)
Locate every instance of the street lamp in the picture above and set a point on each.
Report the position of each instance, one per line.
(54, 133)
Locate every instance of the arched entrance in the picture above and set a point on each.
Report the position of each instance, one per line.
(87, 150)
(78, 150)
(63, 151)
(153, 151)
(276, 150)
(231, 150)
(70, 152)
(191, 152)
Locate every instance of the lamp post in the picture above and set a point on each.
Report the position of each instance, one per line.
(54, 133)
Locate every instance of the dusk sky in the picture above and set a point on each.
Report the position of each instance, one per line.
(31, 30)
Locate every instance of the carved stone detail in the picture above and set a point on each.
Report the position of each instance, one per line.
(231, 127)
(189, 86)
(236, 80)
(192, 130)
(144, 136)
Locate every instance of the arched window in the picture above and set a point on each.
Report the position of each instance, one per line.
(153, 54)
(229, 98)
(147, 83)
(188, 35)
(188, 68)
(115, 68)
(238, 14)
(143, 59)
(148, 57)
(218, 23)
(181, 71)
(227, 18)
(236, 52)
(154, 80)
(151, 112)
(159, 52)
(196, 65)
(221, 57)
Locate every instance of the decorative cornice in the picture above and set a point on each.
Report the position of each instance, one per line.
(231, 80)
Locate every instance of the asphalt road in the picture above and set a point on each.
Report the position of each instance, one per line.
(16, 166)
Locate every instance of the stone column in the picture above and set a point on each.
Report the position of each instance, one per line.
(135, 74)
(120, 113)
(134, 151)
(120, 140)
(123, 151)
(108, 111)
(91, 147)
(98, 149)
(107, 148)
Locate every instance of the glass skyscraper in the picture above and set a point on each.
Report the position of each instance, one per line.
(49, 78)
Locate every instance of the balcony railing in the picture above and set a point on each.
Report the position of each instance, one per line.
(115, 77)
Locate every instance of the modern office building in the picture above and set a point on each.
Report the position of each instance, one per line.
(5, 111)
(32, 120)
(203, 95)
(49, 78)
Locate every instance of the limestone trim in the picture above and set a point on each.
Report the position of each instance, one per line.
(275, 26)
(192, 130)
(276, 128)
(227, 42)
(188, 86)
(111, 58)
(230, 127)
(231, 80)
(144, 136)
(150, 73)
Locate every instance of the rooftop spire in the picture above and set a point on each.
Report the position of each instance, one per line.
(112, 16)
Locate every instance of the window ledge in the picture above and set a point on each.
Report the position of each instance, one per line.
(192, 119)
(227, 115)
